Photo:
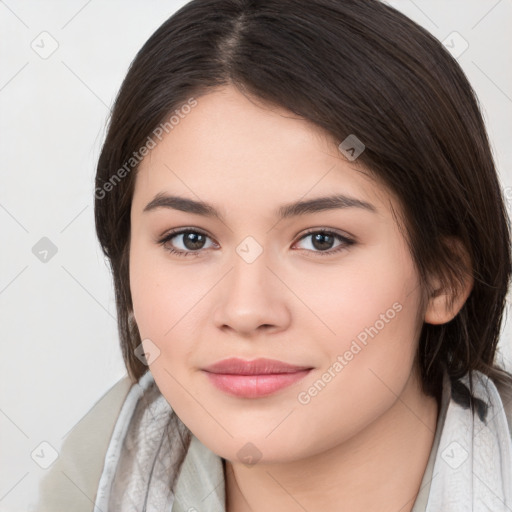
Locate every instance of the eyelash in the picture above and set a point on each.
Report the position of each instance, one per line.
(347, 242)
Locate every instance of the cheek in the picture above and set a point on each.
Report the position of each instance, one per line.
(372, 294)
(371, 309)
(163, 303)
(366, 368)
(161, 294)
(167, 304)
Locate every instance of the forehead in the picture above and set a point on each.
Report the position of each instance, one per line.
(233, 148)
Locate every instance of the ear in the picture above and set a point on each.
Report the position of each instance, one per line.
(444, 303)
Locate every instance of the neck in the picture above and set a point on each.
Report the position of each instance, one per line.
(380, 468)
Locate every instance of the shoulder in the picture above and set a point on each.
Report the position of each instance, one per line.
(72, 481)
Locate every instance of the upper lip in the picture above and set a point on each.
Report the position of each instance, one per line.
(260, 366)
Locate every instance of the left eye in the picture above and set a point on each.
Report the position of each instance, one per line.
(321, 239)
(193, 241)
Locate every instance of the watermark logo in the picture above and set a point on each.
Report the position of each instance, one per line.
(351, 147)
(147, 352)
(44, 455)
(249, 454)
(44, 250)
(455, 44)
(249, 249)
(454, 455)
(44, 44)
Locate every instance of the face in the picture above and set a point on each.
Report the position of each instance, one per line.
(329, 289)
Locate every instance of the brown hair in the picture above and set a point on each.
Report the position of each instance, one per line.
(351, 67)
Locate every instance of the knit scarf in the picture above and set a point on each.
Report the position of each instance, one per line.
(150, 448)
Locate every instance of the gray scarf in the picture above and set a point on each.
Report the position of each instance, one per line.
(151, 449)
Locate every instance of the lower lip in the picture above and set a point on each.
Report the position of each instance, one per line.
(254, 386)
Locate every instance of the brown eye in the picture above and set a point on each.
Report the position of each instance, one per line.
(190, 242)
(323, 242)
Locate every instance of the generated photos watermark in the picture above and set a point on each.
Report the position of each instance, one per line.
(133, 161)
(305, 397)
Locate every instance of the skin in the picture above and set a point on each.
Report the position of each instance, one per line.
(364, 440)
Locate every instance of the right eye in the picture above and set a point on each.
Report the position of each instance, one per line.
(191, 240)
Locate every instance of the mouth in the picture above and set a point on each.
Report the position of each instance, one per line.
(253, 379)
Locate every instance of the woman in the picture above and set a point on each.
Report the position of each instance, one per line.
(311, 255)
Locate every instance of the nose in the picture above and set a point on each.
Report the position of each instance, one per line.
(252, 298)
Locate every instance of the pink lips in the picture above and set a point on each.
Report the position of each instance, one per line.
(252, 379)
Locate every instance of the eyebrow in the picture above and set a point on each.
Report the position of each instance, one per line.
(319, 204)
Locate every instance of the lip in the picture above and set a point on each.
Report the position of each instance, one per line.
(262, 366)
(253, 379)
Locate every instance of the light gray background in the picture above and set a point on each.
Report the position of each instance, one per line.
(59, 341)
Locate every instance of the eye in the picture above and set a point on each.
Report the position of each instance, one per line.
(323, 240)
(191, 241)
